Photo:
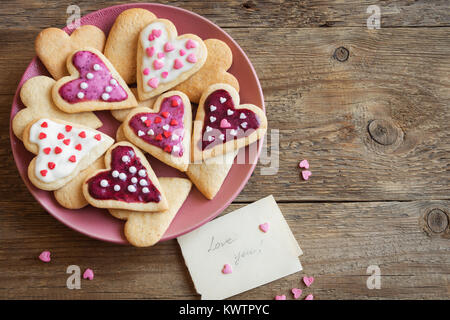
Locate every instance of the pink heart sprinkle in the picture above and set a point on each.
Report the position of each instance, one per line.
(146, 71)
(309, 297)
(227, 269)
(153, 82)
(164, 74)
(45, 256)
(304, 164)
(88, 274)
(225, 124)
(151, 37)
(306, 174)
(308, 281)
(282, 297)
(296, 292)
(160, 55)
(150, 51)
(190, 44)
(264, 227)
(178, 64)
(182, 52)
(157, 64)
(156, 32)
(191, 58)
(168, 47)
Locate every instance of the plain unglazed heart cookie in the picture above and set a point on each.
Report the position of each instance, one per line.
(144, 229)
(54, 45)
(127, 183)
(71, 195)
(36, 95)
(209, 175)
(121, 44)
(93, 84)
(222, 125)
(214, 70)
(63, 149)
(121, 114)
(164, 131)
(165, 59)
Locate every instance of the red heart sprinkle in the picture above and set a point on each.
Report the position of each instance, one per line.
(78, 146)
(82, 134)
(167, 134)
(43, 173)
(44, 125)
(98, 137)
(159, 137)
(60, 136)
(68, 128)
(165, 114)
(174, 103)
(168, 148)
(173, 122)
(157, 120)
(58, 150)
(51, 165)
(72, 159)
(66, 142)
(148, 122)
(42, 135)
(47, 150)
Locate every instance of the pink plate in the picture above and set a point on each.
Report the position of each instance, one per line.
(197, 210)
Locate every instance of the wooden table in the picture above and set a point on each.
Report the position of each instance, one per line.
(370, 111)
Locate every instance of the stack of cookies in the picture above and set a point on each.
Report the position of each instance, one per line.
(147, 76)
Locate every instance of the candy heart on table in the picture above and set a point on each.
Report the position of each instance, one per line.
(304, 164)
(296, 292)
(165, 59)
(282, 297)
(54, 45)
(36, 95)
(88, 274)
(306, 174)
(214, 70)
(146, 229)
(264, 227)
(122, 41)
(309, 297)
(222, 125)
(127, 183)
(164, 131)
(227, 269)
(308, 281)
(63, 150)
(93, 84)
(45, 256)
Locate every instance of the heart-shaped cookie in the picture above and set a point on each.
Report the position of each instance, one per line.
(121, 45)
(63, 149)
(127, 183)
(165, 59)
(36, 95)
(94, 84)
(145, 229)
(214, 70)
(163, 131)
(53, 46)
(222, 125)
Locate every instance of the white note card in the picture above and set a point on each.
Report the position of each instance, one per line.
(256, 257)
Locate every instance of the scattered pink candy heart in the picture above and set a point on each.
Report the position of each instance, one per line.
(225, 124)
(308, 281)
(304, 164)
(227, 269)
(309, 297)
(297, 292)
(306, 174)
(45, 256)
(282, 297)
(88, 274)
(264, 227)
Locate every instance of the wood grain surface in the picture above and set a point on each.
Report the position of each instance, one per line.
(370, 111)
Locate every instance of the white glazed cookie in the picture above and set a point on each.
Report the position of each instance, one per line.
(165, 59)
(63, 149)
(144, 229)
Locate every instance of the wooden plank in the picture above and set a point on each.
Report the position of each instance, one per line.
(339, 240)
(249, 13)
